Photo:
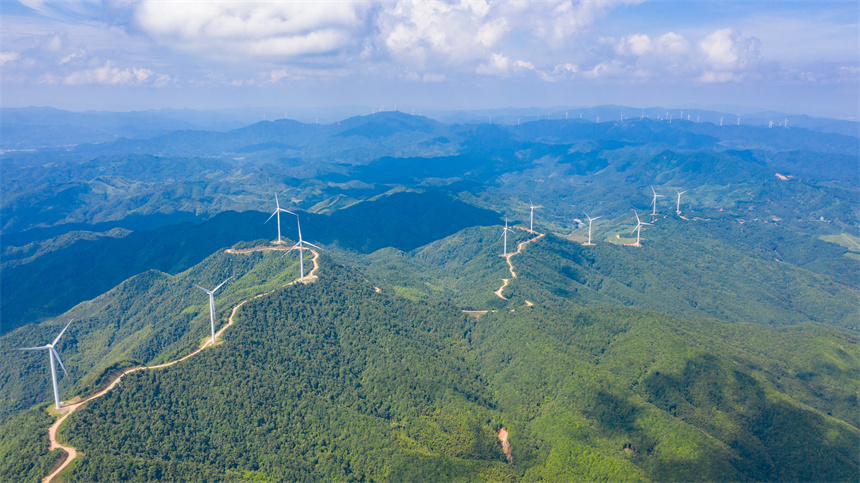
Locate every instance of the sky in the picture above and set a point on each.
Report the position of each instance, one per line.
(799, 57)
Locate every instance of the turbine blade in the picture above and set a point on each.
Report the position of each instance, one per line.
(57, 355)
(311, 244)
(287, 211)
(270, 217)
(222, 283)
(33, 348)
(277, 204)
(61, 333)
(201, 288)
(596, 217)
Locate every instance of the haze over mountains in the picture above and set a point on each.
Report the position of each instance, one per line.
(725, 347)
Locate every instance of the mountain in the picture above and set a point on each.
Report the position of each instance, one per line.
(724, 346)
(336, 380)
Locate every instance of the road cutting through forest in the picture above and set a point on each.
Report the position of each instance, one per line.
(511, 266)
(71, 452)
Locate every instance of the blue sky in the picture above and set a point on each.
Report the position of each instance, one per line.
(795, 56)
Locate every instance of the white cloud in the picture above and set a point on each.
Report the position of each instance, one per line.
(108, 74)
(727, 50)
(234, 30)
(497, 65)
(6, 57)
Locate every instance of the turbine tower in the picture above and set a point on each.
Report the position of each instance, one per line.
(212, 304)
(52, 352)
(277, 213)
(678, 207)
(590, 219)
(721, 121)
(532, 216)
(638, 228)
(301, 247)
(654, 201)
(505, 235)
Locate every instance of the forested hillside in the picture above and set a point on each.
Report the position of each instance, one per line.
(334, 380)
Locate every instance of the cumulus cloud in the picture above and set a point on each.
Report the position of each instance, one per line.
(234, 30)
(727, 50)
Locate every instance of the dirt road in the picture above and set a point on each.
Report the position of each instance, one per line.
(70, 408)
(511, 265)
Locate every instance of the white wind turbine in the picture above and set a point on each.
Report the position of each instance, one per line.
(532, 216)
(678, 207)
(505, 235)
(212, 304)
(590, 219)
(277, 213)
(654, 201)
(301, 247)
(721, 121)
(638, 228)
(739, 121)
(52, 352)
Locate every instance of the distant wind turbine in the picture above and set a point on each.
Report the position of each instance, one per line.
(505, 235)
(590, 219)
(638, 228)
(277, 213)
(770, 124)
(678, 207)
(654, 201)
(52, 352)
(739, 121)
(532, 215)
(212, 304)
(786, 122)
(598, 118)
(300, 246)
(721, 121)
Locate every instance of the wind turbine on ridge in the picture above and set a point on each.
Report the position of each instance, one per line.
(590, 219)
(638, 228)
(52, 352)
(277, 213)
(212, 304)
(678, 208)
(301, 248)
(654, 201)
(505, 235)
(532, 216)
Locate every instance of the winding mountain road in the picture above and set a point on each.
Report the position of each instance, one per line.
(71, 408)
(511, 265)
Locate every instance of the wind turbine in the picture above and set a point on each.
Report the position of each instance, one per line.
(638, 228)
(721, 121)
(678, 208)
(739, 121)
(505, 235)
(654, 201)
(212, 304)
(277, 213)
(770, 124)
(301, 247)
(52, 352)
(590, 219)
(532, 216)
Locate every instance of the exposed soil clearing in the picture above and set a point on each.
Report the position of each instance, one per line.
(70, 408)
(506, 446)
(511, 265)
